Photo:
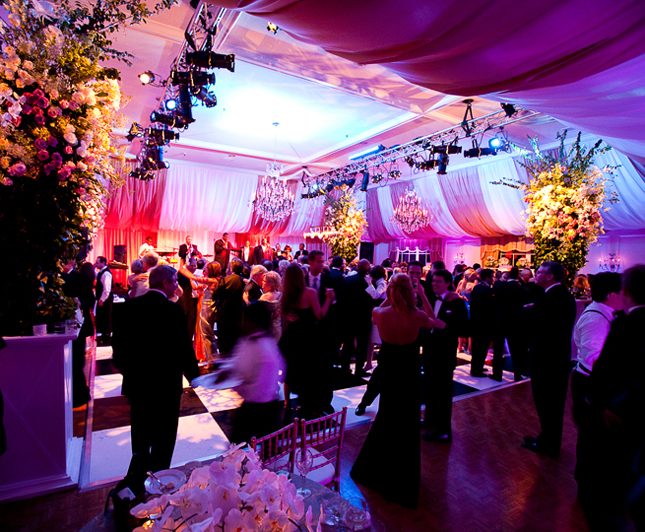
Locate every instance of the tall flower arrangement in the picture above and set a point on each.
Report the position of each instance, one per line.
(347, 219)
(565, 197)
(57, 109)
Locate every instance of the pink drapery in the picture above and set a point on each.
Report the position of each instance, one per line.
(581, 61)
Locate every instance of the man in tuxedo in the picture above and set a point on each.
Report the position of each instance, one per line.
(357, 306)
(258, 255)
(483, 321)
(611, 487)
(327, 342)
(440, 356)
(337, 269)
(104, 300)
(223, 251)
(246, 252)
(301, 251)
(267, 250)
(151, 327)
(511, 297)
(552, 317)
(229, 301)
(188, 250)
(253, 289)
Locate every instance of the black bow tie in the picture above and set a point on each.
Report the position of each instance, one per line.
(439, 298)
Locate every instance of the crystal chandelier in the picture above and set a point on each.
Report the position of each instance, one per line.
(273, 201)
(409, 214)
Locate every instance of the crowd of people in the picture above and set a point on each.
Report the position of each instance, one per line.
(295, 320)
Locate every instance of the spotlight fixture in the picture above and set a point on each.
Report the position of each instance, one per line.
(365, 181)
(206, 96)
(450, 149)
(147, 77)
(143, 175)
(211, 60)
(171, 120)
(135, 131)
(395, 174)
(171, 104)
(160, 136)
(377, 178)
(443, 164)
(153, 158)
(194, 78)
(500, 141)
(272, 27)
(186, 105)
(509, 109)
(479, 152)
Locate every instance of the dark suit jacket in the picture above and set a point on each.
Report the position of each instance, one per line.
(299, 252)
(337, 276)
(222, 253)
(253, 291)
(552, 317)
(355, 302)
(257, 256)
(228, 298)
(183, 251)
(511, 297)
(151, 346)
(440, 345)
(483, 310)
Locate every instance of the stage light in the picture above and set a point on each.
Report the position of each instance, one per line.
(135, 131)
(365, 181)
(395, 174)
(147, 77)
(186, 105)
(479, 152)
(497, 143)
(409, 160)
(206, 96)
(169, 120)
(211, 60)
(272, 27)
(443, 164)
(171, 105)
(194, 78)
(160, 136)
(509, 109)
(377, 178)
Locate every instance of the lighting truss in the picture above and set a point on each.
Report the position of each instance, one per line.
(422, 153)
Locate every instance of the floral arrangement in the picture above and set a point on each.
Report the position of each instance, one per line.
(522, 262)
(491, 262)
(58, 107)
(234, 494)
(348, 221)
(565, 196)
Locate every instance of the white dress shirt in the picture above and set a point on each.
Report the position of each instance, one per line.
(590, 333)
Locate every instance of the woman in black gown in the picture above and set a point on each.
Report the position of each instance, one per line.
(390, 460)
(299, 345)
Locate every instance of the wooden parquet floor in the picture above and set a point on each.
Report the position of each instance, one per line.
(482, 481)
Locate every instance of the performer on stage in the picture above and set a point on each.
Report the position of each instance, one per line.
(146, 247)
(188, 250)
(223, 251)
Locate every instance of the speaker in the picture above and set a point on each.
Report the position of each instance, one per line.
(120, 253)
(367, 251)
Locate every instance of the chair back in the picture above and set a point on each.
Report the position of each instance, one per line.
(324, 436)
(278, 445)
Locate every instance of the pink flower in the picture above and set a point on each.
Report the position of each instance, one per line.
(64, 173)
(63, 104)
(52, 141)
(40, 144)
(43, 155)
(16, 120)
(54, 112)
(42, 102)
(69, 150)
(26, 109)
(17, 170)
(73, 106)
(38, 93)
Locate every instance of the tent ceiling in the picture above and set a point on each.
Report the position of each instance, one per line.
(328, 107)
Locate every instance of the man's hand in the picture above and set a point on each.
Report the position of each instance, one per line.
(440, 324)
(452, 296)
(100, 303)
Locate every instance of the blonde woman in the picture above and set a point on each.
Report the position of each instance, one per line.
(397, 423)
(271, 299)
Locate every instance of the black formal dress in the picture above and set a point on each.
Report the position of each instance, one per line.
(552, 317)
(439, 361)
(152, 349)
(229, 303)
(390, 459)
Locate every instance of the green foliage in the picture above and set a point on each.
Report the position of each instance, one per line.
(348, 221)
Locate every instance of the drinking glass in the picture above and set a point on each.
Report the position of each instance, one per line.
(356, 516)
(283, 467)
(304, 462)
